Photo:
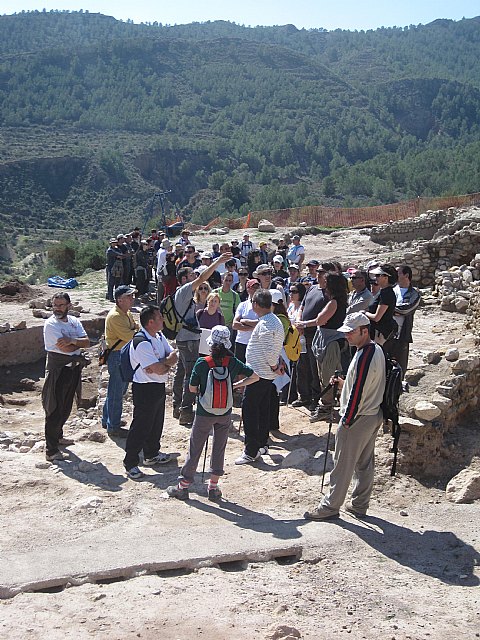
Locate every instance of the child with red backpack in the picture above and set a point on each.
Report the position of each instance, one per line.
(212, 380)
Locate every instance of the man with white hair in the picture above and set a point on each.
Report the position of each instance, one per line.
(360, 420)
(165, 247)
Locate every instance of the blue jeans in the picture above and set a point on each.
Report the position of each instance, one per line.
(112, 409)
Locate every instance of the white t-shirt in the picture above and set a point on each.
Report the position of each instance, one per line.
(148, 353)
(54, 329)
(245, 312)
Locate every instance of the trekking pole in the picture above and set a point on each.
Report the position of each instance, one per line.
(292, 372)
(205, 457)
(335, 387)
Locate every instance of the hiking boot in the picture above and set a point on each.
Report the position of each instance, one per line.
(160, 458)
(176, 412)
(263, 451)
(186, 417)
(55, 457)
(321, 514)
(214, 495)
(175, 492)
(246, 459)
(301, 403)
(360, 513)
(117, 433)
(134, 473)
(321, 413)
(66, 442)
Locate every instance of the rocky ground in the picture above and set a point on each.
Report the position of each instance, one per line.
(409, 571)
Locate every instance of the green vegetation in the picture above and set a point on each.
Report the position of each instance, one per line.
(98, 115)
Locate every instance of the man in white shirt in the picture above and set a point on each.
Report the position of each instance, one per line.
(151, 358)
(246, 246)
(165, 247)
(263, 354)
(296, 253)
(64, 338)
(245, 321)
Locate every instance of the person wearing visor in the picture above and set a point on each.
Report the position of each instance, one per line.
(383, 327)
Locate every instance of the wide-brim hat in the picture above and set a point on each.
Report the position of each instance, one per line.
(219, 335)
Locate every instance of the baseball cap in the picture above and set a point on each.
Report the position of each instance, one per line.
(166, 244)
(252, 283)
(220, 335)
(262, 269)
(263, 243)
(276, 296)
(200, 270)
(296, 237)
(353, 321)
(112, 240)
(123, 290)
(207, 254)
(313, 263)
(294, 266)
(120, 235)
(277, 259)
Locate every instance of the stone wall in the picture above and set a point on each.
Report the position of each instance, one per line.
(430, 424)
(455, 243)
(20, 347)
(422, 227)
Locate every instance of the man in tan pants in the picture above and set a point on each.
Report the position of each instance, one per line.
(360, 419)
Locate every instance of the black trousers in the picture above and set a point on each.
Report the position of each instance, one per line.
(256, 415)
(147, 424)
(65, 388)
(308, 382)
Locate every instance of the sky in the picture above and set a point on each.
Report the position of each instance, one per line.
(339, 14)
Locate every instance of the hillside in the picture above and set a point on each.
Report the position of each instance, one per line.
(97, 115)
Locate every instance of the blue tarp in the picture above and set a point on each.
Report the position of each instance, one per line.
(62, 283)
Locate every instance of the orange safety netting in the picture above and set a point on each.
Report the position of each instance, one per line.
(332, 217)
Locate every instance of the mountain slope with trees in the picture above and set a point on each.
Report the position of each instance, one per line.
(97, 115)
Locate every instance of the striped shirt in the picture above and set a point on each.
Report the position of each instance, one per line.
(265, 345)
(362, 392)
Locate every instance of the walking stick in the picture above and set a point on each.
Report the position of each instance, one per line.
(335, 387)
(205, 457)
(292, 373)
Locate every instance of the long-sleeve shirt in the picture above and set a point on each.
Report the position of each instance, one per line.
(362, 391)
(265, 345)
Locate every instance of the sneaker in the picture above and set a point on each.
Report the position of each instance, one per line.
(175, 492)
(360, 513)
(263, 451)
(320, 413)
(117, 433)
(176, 412)
(53, 457)
(66, 442)
(313, 405)
(160, 458)
(321, 514)
(283, 403)
(186, 417)
(134, 473)
(246, 459)
(214, 495)
(301, 403)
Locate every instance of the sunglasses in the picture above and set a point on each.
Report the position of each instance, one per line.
(242, 273)
(203, 288)
(357, 278)
(189, 251)
(293, 290)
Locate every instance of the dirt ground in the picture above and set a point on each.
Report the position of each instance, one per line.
(409, 571)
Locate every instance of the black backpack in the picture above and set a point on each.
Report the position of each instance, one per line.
(389, 406)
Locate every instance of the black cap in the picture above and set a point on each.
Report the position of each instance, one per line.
(123, 290)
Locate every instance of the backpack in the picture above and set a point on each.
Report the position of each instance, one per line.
(126, 370)
(172, 323)
(292, 344)
(117, 269)
(389, 406)
(217, 398)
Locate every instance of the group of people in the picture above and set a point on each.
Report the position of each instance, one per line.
(248, 298)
